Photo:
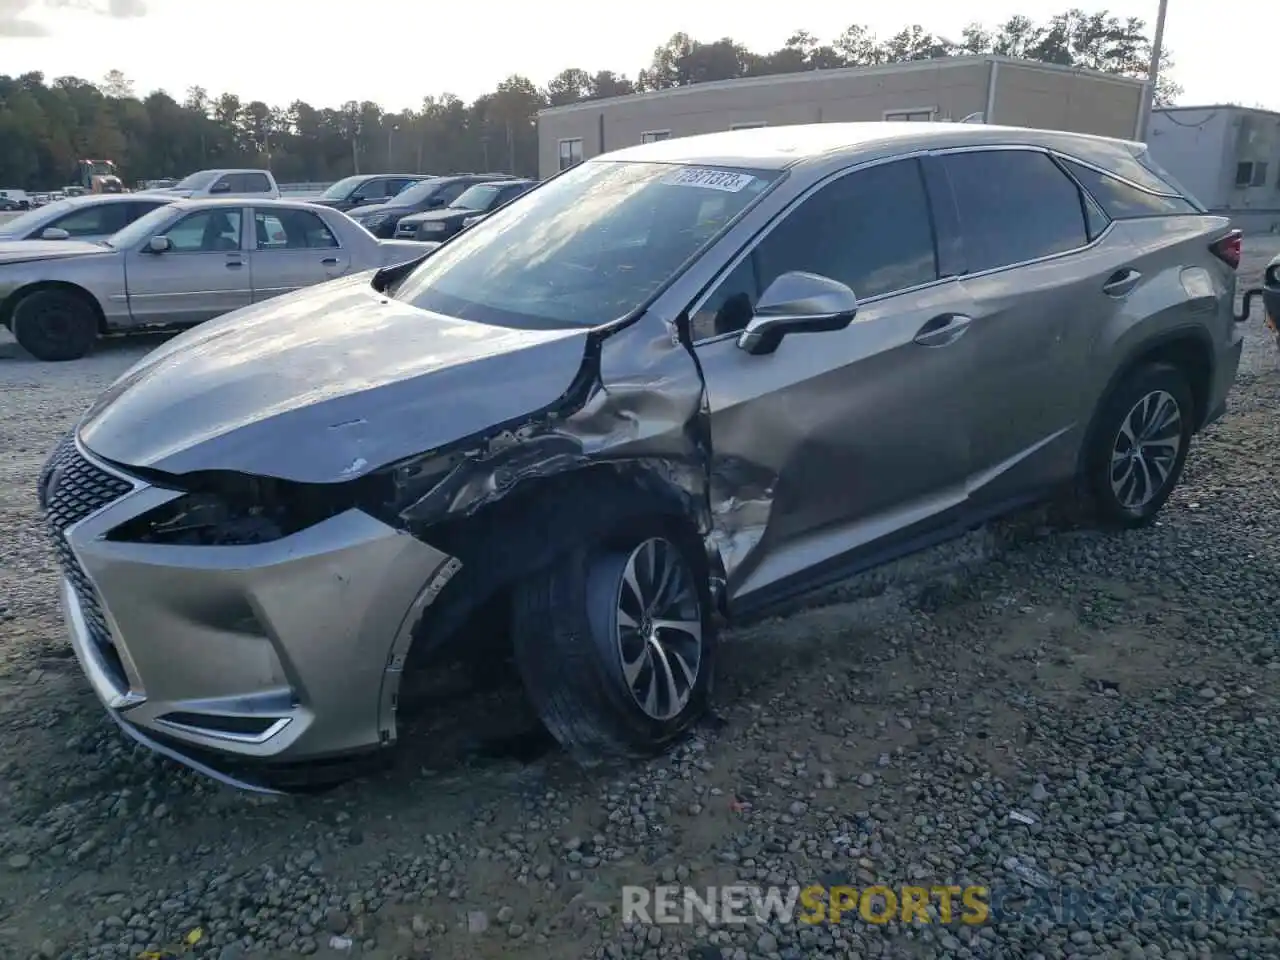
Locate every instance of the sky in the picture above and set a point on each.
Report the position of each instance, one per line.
(389, 51)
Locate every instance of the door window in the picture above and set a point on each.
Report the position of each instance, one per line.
(251, 183)
(99, 220)
(871, 230)
(1121, 201)
(206, 231)
(1014, 206)
(373, 190)
(140, 208)
(291, 230)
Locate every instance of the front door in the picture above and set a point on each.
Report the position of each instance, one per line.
(293, 249)
(203, 274)
(838, 442)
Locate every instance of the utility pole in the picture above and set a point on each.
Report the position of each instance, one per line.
(1153, 72)
(390, 133)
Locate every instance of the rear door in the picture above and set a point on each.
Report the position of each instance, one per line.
(203, 274)
(293, 249)
(1037, 255)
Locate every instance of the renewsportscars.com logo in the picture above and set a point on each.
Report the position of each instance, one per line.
(944, 904)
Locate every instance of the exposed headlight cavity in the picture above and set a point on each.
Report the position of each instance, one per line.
(222, 509)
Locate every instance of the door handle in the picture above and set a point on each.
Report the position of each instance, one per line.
(943, 329)
(330, 261)
(234, 264)
(1121, 282)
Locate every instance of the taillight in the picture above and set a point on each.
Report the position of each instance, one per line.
(1229, 249)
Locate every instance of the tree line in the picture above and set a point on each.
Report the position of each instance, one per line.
(47, 126)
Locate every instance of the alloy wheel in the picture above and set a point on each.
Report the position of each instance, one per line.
(1146, 449)
(659, 631)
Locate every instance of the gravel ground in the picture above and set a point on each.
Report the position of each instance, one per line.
(1120, 690)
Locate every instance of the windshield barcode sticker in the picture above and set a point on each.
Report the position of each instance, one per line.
(711, 179)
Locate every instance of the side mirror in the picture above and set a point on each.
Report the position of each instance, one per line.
(434, 202)
(220, 187)
(159, 244)
(54, 233)
(797, 302)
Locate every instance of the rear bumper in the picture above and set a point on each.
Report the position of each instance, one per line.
(1223, 376)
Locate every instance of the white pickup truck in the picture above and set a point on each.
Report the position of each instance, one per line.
(225, 183)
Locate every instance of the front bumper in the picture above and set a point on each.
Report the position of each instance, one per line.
(240, 661)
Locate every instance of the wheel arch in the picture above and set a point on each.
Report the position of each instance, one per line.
(1189, 349)
(540, 521)
(10, 303)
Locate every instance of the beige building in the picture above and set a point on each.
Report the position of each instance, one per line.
(1003, 90)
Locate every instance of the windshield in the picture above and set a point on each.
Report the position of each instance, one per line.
(417, 192)
(197, 181)
(142, 229)
(342, 188)
(476, 198)
(35, 218)
(587, 248)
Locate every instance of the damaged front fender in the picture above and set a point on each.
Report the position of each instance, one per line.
(630, 440)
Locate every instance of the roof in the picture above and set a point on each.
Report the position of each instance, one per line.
(88, 198)
(811, 76)
(262, 203)
(1219, 106)
(776, 148)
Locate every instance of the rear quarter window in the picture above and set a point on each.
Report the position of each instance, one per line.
(1122, 201)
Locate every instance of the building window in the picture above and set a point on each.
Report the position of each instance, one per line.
(653, 136)
(920, 115)
(749, 125)
(570, 153)
(1251, 173)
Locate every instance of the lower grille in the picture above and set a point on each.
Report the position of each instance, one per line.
(72, 488)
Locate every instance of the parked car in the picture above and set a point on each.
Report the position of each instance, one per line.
(471, 206)
(225, 183)
(90, 217)
(1269, 293)
(11, 199)
(695, 376)
(181, 264)
(381, 219)
(367, 188)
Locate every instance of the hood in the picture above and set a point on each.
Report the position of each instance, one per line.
(445, 214)
(325, 385)
(25, 251)
(325, 202)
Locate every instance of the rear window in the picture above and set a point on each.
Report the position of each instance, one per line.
(1122, 201)
(590, 246)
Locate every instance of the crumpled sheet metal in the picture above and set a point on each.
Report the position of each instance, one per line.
(645, 409)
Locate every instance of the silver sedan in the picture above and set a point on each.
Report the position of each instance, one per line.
(181, 264)
(91, 217)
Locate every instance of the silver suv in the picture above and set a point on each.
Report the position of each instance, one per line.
(683, 380)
